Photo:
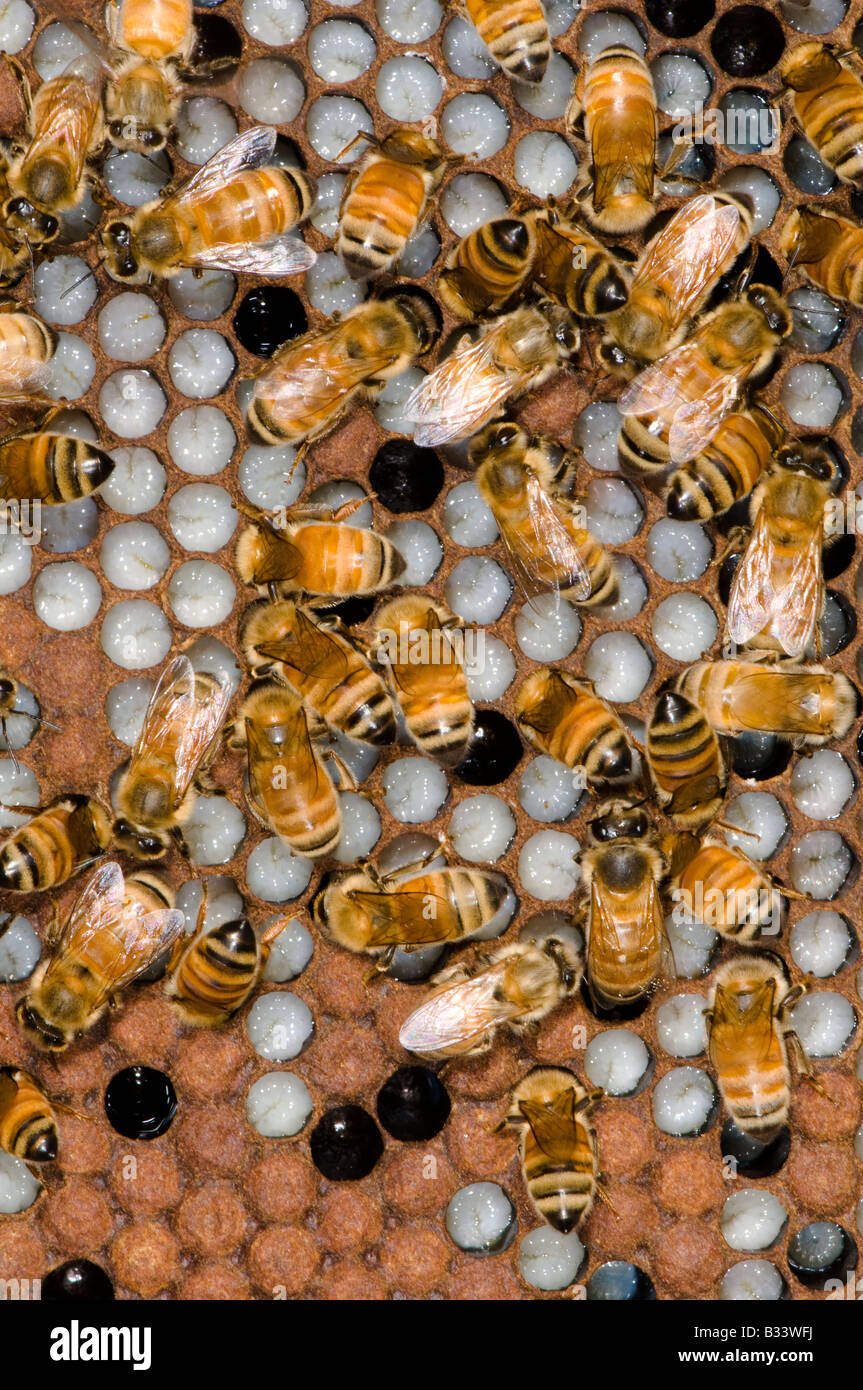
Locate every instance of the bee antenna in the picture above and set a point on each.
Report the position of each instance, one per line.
(81, 278)
(9, 749)
(37, 719)
(32, 262)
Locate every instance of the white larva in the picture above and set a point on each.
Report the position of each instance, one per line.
(474, 124)
(763, 819)
(69, 527)
(684, 1101)
(617, 1060)
(19, 1188)
(341, 50)
(279, 1025)
(361, 828)
(471, 199)
(136, 634)
(136, 179)
(619, 665)
(681, 82)
(290, 953)
(464, 51)
(609, 27)
(71, 373)
(201, 594)
(820, 863)
(681, 1028)
(684, 627)
(548, 628)
(467, 518)
(271, 91)
(752, 1281)
(339, 490)
(214, 831)
(134, 555)
(132, 403)
(812, 395)
(330, 288)
(548, 790)
(481, 829)
(414, 789)
(331, 124)
(202, 517)
(759, 187)
(821, 943)
(201, 363)
(549, 1260)
(204, 125)
(67, 596)
(421, 549)
(20, 949)
(275, 22)
(64, 290)
(614, 510)
(825, 1023)
(16, 26)
(679, 551)
(478, 589)
(201, 440)
(595, 433)
(275, 874)
(278, 1105)
(137, 482)
(125, 707)
(544, 164)
(224, 903)
(271, 477)
(752, 1219)
(822, 784)
(491, 672)
(481, 1219)
(131, 327)
(548, 865)
(408, 21)
(207, 297)
(548, 99)
(389, 406)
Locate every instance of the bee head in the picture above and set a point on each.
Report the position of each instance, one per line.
(117, 241)
(38, 1030)
(812, 458)
(141, 844)
(8, 691)
(29, 222)
(126, 134)
(776, 312)
(497, 438)
(618, 820)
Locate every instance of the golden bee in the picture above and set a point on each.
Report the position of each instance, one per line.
(686, 767)
(418, 644)
(806, 704)
(365, 910)
(28, 1125)
(627, 948)
(516, 986)
(827, 98)
(777, 594)
(718, 885)
(727, 469)
(558, 1144)
(55, 844)
(524, 480)
(516, 36)
(513, 354)
(315, 554)
(331, 671)
(828, 249)
(575, 269)
(48, 175)
(386, 200)
(615, 101)
(234, 213)
(749, 1036)
(675, 274)
(50, 468)
(26, 349)
(289, 790)
(688, 394)
(155, 39)
(562, 716)
(112, 936)
(212, 974)
(312, 381)
(488, 268)
(14, 253)
(155, 795)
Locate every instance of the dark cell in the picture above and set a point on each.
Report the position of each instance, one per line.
(678, 19)
(838, 554)
(747, 41)
(754, 1160)
(618, 1013)
(405, 477)
(217, 45)
(765, 271)
(838, 624)
(268, 316)
(726, 574)
(140, 1102)
(619, 1282)
(413, 1104)
(494, 751)
(806, 169)
(346, 1143)
(758, 757)
(77, 1279)
(821, 1251)
(351, 611)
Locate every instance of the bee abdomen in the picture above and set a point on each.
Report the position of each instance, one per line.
(562, 1196)
(31, 1136)
(216, 974)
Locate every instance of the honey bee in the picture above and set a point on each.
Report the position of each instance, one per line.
(386, 200)
(517, 986)
(687, 769)
(50, 468)
(727, 469)
(315, 554)
(365, 910)
(575, 269)
(777, 594)
(523, 480)
(55, 844)
(718, 885)
(289, 790)
(513, 354)
(14, 253)
(808, 705)
(332, 673)
(688, 393)
(234, 213)
(517, 38)
(26, 348)
(417, 641)
(562, 716)
(615, 100)
(558, 1145)
(313, 381)
(486, 270)
(749, 1035)
(109, 940)
(28, 1125)
(212, 975)
(154, 795)
(48, 175)
(627, 948)
(674, 276)
(828, 104)
(155, 39)
(829, 250)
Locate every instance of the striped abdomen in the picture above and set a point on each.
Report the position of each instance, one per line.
(624, 947)
(562, 1191)
(829, 249)
(48, 850)
(358, 704)
(53, 468)
(22, 336)
(685, 762)
(577, 271)
(343, 560)
(620, 123)
(728, 468)
(725, 891)
(382, 210)
(488, 266)
(753, 1078)
(216, 973)
(28, 1129)
(832, 121)
(571, 724)
(155, 28)
(516, 33)
(255, 206)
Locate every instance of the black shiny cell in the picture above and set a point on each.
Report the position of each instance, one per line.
(820, 1251)
(838, 554)
(619, 1013)
(758, 757)
(346, 1144)
(618, 1281)
(494, 751)
(269, 316)
(217, 45)
(747, 41)
(140, 1102)
(413, 1104)
(351, 611)
(77, 1279)
(751, 1159)
(678, 19)
(405, 477)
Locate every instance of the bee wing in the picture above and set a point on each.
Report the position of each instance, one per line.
(554, 542)
(284, 255)
(459, 395)
(790, 608)
(457, 1014)
(318, 374)
(553, 1125)
(617, 159)
(310, 648)
(646, 909)
(175, 704)
(21, 374)
(695, 423)
(658, 385)
(752, 596)
(407, 919)
(249, 150)
(691, 251)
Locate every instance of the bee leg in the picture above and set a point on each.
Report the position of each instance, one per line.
(298, 457)
(368, 136)
(347, 780)
(23, 81)
(69, 1110)
(179, 843)
(804, 1065)
(273, 931)
(54, 929)
(604, 1197)
(738, 538)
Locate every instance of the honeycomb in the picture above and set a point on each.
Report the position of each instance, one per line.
(215, 1210)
